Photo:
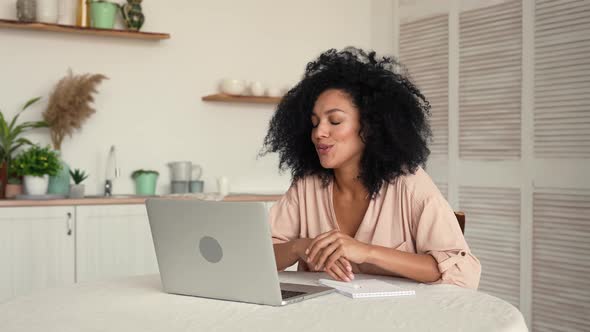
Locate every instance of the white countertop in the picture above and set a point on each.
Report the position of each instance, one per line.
(122, 199)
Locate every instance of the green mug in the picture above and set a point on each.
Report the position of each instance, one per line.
(102, 14)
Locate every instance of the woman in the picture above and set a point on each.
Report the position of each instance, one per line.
(354, 134)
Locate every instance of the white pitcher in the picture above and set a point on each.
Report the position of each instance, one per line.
(181, 170)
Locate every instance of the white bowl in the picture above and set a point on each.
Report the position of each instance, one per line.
(274, 92)
(257, 89)
(233, 87)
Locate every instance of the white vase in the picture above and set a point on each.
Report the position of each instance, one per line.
(48, 11)
(36, 185)
(67, 12)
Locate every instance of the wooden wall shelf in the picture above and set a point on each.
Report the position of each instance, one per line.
(220, 97)
(39, 26)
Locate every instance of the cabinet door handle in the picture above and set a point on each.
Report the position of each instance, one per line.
(69, 223)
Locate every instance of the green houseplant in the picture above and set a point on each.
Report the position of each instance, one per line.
(145, 181)
(77, 189)
(11, 139)
(36, 164)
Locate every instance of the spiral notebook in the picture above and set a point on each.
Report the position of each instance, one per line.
(367, 288)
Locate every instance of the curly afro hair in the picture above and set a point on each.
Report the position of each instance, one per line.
(393, 115)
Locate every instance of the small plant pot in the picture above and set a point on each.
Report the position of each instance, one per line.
(12, 190)
(36, 185)
(145, 184)
(76, 191)
(102, 14)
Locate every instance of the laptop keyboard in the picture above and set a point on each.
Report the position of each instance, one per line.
(289, 294)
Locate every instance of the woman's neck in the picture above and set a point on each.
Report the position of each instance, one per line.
(348, 183)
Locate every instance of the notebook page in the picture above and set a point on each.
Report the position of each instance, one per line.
(369, 288)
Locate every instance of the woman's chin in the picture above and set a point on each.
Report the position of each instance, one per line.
(328, 165)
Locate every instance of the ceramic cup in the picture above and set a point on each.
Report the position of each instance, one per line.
(196, 186)
(223, 185)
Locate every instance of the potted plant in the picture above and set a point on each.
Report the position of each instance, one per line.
(68, 108)
(14, 185)
(11, 139)
(36, 164)
(103, 13)
(145, 181)
(77, 189)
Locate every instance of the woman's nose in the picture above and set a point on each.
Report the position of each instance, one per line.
(321, 131)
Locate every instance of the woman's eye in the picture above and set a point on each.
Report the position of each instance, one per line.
(335, 123)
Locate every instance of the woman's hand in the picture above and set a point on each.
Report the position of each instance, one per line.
(327, 248)
(341, 269)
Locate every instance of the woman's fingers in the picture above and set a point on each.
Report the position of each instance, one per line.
(346, 270)
(337, 272)
(324, 254)
(345, 263)
(319, 244)
(318, 238)
(335, 257)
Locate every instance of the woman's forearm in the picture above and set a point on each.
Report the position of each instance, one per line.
(285, 254)
(419, 267)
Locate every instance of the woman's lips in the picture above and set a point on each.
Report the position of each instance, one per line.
(323, 148)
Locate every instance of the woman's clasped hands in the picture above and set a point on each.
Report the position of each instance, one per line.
(333, 253)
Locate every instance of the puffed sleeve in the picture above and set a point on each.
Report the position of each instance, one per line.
(284, 217)
(438, 234)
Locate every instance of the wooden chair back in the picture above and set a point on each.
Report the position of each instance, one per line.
(461, 219)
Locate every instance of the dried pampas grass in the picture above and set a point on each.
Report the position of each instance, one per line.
(69, 105)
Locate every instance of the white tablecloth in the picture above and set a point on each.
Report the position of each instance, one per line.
(138, 304)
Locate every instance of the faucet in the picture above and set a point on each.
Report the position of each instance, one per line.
(112, 172)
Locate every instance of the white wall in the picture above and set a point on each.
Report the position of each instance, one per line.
(151, 106)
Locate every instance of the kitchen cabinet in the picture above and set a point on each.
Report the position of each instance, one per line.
(49, 246)
(113, 241)
(36, 249)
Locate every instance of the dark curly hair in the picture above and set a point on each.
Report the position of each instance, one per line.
(393, 115)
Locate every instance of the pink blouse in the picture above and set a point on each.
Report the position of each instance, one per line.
(409, 214)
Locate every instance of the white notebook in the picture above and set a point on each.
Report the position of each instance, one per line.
(367, 288)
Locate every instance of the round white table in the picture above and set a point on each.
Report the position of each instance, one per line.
(139, 304)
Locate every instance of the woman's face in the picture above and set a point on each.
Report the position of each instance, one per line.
(335, 133)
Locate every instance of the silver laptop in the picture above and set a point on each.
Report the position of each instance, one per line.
(219, 250)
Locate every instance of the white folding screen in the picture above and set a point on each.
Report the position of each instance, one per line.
(443, 187)
(424, 51)
(490, 51)
(493, 234)
(518, 155)
(561, 260)
(562, 79)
